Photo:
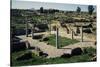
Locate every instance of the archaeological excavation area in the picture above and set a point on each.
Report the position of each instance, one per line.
(52, 36)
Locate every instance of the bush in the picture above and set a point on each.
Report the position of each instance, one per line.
(90, 51)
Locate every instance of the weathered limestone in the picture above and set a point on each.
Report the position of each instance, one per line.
(72, 35)
(32, 29)
(26, 29)
(57, 37)
(27, 45)
(76, 51)
(82, 33)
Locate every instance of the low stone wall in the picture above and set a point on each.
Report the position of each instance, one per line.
(17, 46)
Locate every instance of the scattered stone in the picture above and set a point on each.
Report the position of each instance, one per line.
(95, 42)
(78, 30)
(17, 46)
(94, 58)
(47, 43)
(43, 54)
(37, 49)
(40, 40)
(54, 28)
(31, 47)
(87, 30)
(94, 55)
(76, 51)
(40, 53)
(66, 55)
(15, 39)
(37, 36)
(27, 44)
(45, 39)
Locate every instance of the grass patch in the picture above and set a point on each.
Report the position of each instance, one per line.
(38, 60)
(33, 61)
(89, 50)
(20, 26)
(58, 60)
(73, 59)
(63, 41)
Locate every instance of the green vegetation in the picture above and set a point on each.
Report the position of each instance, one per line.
(37, 60)
(90, 50)
(42, 16)
(90, 9)
(41, 9)
(20, 26)
(78, 10)
(63, 41)
(48, 15)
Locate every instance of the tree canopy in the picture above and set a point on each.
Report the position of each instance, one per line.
(41, 10)
(90, 9)
(78, 10)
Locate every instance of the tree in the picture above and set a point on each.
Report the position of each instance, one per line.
(78, 10)
(90, 9)
(41, 10)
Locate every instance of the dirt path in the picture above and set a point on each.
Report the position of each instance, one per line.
(53, 51)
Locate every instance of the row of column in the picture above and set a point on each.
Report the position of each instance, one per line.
(57, 36)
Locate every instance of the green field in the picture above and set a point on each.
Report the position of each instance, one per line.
(63, 41)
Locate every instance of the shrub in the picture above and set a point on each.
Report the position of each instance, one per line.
(90, 51)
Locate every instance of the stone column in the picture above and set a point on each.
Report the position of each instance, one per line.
(50, 26)
(57, 37)
(26, 28)
(32, 29)
(72, 35)
(82, 33)
(27, 44)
